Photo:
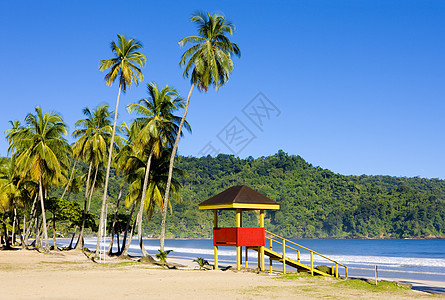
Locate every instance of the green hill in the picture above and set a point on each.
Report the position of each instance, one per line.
(315, 202)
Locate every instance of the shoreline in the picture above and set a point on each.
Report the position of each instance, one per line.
(30, 274)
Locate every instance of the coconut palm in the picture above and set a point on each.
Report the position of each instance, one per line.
(94, 133)
(158, 127)
(126, 65)
(42, 153)
(207, 62)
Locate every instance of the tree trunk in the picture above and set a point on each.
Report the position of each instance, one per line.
(31, 220)
(72, 238)
(124, 245)
(13, 226)
(110, 247)
(110, 154)
(92, 187)
(80, 243)
(170, 169)
(54, 233)
(19, 232)
(45, 232)
(71, 178)
(142, 206)
(117, 240)
(5, 230)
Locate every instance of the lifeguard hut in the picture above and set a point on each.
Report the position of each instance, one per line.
(239, 198)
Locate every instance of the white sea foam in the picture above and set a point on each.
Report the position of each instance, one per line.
(355, 261)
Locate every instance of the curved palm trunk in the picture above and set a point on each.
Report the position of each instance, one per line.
(125, 246)
(31, 220)
(141, 208)
(45, 232)
(170, 169)
(92, 187)
(80, 243)
(72, 238)
(110, 154)
(54, 233)
(69, 181)
(110, 247)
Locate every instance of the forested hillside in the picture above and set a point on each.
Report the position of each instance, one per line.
(315, 202)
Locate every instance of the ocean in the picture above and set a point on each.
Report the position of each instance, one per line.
(407, 258)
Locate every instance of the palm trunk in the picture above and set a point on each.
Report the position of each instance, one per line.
(92, 187)
(117, 240)
(170, 169)
(110, 248)
(13, 226)
(80, 243)
(110, 154)
(24, 231)
(45, 232)
(31, 220)
(71, 178)
(125, 247)
(54, 232)
(19, 232)
(141, 208)
(5, 230)
(72, 238)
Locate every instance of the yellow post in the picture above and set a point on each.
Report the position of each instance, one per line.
(215, 248)
(346, 270)
(284, 256)
(298, 255)
(246, 258)
(238, 248)
(270, 259)
(336, 270)
(261, 253)
(332, 271)
(215, 253)
(312, 263)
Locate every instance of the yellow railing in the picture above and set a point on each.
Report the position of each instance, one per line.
(334, 272)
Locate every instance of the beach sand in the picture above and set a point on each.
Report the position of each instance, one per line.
(71, 275)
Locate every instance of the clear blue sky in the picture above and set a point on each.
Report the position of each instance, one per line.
(359, 85)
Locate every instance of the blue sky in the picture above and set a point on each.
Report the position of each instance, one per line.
(357, 87)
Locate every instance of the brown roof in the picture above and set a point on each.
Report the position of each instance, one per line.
(241, 194)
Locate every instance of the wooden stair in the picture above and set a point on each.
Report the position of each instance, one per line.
(273, 255)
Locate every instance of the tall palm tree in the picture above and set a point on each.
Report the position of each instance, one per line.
(94, 133)
(207, 62)
(158, 127)
(126, 65)
(42, 153)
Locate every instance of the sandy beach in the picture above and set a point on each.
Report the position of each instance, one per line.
(71, 275)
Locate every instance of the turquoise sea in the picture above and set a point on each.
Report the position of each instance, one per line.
(408, 258)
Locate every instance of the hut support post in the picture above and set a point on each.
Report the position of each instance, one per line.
(238, 248)
(261, 253)
(215, 248)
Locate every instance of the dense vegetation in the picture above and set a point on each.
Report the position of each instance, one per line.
(315, 202)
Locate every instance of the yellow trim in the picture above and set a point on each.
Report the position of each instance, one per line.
(240, 205)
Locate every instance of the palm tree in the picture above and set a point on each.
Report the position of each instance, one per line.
(126, 65)
(42, 153)
(158, 126)
(207, 62)
(94, 133)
